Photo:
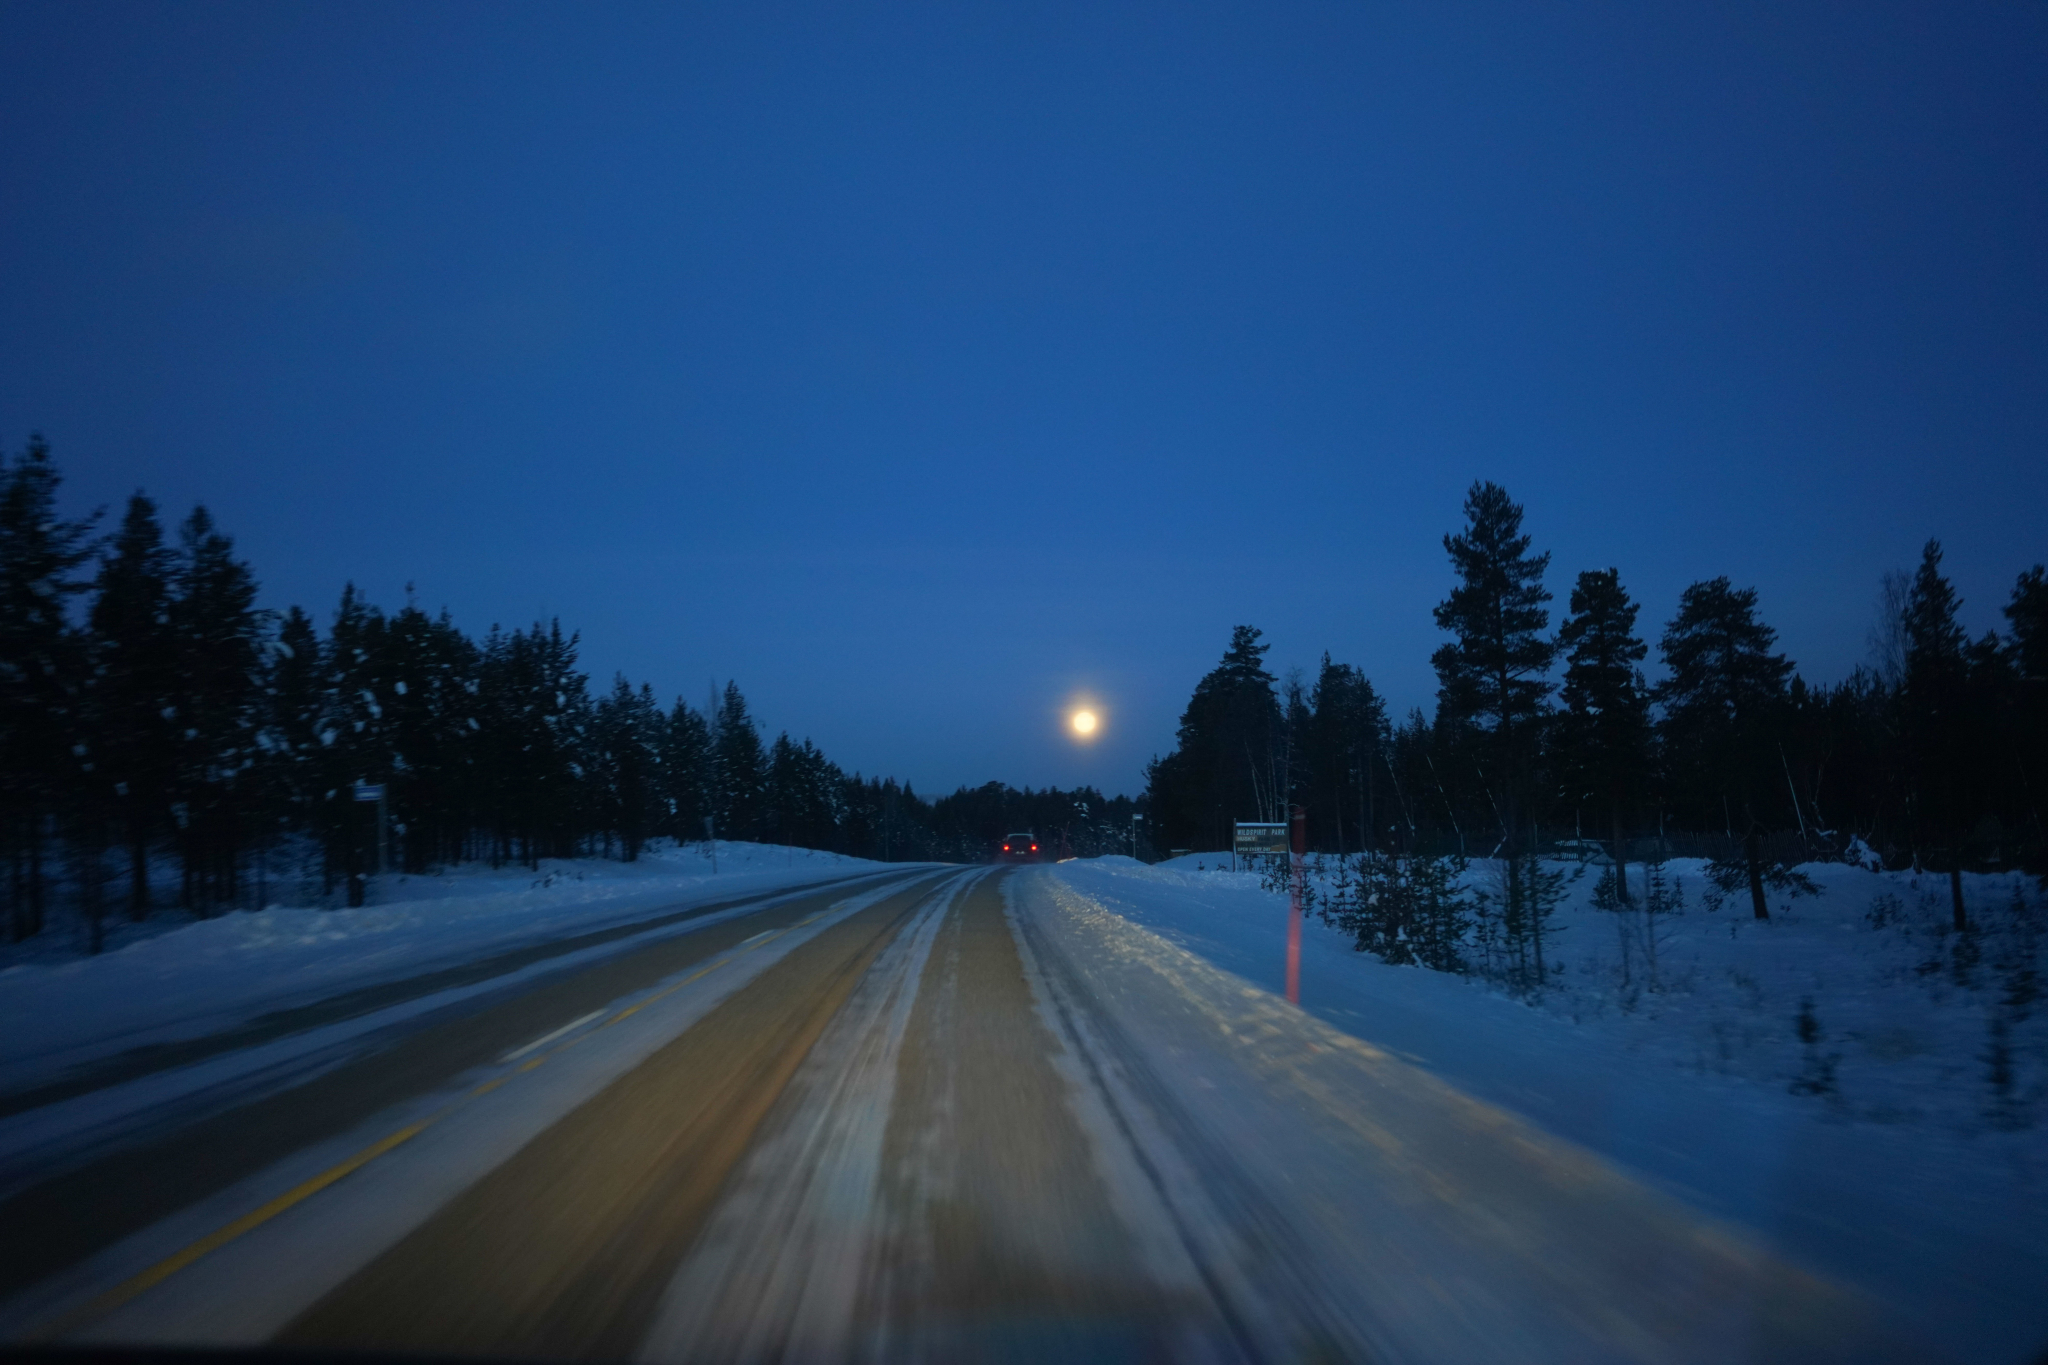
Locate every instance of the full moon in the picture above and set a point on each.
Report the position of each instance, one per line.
(1084, 722)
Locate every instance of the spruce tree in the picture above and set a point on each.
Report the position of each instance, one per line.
(1938, 721)
(1603, 735)
(738, 769)
(1224, 766)
(48, 752)
(627, 739)
(134, 670)
(2027, 658)
(218, 635)
(2028, 613)
(563, 696)
(1345, 770)
(430, 724)
(294, 735)
(357, 685)
(1490, 685)
(685, 772)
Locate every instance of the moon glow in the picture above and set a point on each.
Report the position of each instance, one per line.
(1084, 722)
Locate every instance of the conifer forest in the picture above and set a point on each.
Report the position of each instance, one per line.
(152, 715)
(1935, 756)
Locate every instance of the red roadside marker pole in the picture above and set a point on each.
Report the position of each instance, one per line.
(1299, 838)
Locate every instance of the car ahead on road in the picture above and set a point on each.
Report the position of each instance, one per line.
(1019, 848)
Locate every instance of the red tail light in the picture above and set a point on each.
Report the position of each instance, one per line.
(1034, 848)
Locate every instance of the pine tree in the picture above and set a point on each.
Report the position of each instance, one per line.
(1725, 692)
(47, 749)
(1603, 736)
(1725, 686)
(1490, 684)
(134, 670)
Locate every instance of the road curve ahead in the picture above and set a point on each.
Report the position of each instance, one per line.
(966, 1116)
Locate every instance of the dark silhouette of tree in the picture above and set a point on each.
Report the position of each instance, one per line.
(1490, 687)
(801, 800)
(217, 640)
(2027, 657)
(1223, 768)
(134, 677)
(685, 772)
(1603, 735)
(628, 732)
(1340, 771)
(1723, 700)
(738, 768)
(1942, 710)
(48, 752)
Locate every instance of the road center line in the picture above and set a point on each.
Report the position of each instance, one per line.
(516, 1053)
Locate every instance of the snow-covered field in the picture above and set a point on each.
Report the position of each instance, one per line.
(1907, 1173)
(185, 978)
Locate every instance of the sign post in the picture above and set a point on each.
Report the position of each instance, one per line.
(1255, 840)
(1296, 885)
(711, 844)
(368, 793)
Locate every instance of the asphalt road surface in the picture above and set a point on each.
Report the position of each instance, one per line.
(951, 1114)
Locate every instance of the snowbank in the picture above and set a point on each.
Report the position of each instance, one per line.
(1906, 1173)
(199, 976)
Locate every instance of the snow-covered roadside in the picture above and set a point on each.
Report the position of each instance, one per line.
(1895, 1181)
(203, 976)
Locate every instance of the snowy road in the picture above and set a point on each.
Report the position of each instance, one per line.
(957, 1114)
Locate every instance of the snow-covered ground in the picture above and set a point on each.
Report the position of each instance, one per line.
(59, 1009)
(1906, 1174)
(1881, 1153)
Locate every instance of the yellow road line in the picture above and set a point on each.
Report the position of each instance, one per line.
(248, 1222)
(214, 1241)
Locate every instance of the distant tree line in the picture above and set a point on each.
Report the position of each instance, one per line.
(1936, 756)
(150, 711)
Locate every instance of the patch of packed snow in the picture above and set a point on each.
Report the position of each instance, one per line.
(1882, 1153)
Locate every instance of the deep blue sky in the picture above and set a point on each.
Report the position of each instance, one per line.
(923, 367)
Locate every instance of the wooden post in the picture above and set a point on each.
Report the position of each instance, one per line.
(1299, 839)
(1752, 848)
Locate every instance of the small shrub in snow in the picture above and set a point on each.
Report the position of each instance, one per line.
(1885, 909)
(1642, 924)
(1728, 876)
(1404, 910)
(1513, 914)
(1817, 1076)
(2003, 1108)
